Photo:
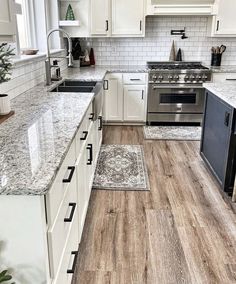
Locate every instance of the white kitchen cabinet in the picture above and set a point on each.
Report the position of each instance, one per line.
(224, 23)
(7, 19)
(113, 97)
(125, 97)
(100, 17)
(134, 103)
(128, 18)
(223, 77)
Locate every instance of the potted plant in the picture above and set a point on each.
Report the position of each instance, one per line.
(5, 67)
(5, 277)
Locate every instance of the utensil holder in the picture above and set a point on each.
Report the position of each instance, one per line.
(5, 106)
(216, 59)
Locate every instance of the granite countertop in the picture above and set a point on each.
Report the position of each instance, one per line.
(224, 69)
(225, 91)
(34, 142)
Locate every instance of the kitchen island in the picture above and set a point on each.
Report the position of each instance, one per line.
(219, 134)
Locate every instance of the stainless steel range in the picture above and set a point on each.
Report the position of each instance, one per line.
(175, 91)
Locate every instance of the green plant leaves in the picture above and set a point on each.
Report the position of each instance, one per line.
(5, 65)
(5, 277)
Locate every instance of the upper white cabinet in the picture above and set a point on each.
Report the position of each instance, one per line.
(117, 18)
(100, 17)
(7, 18)
(128, 17)
(224, 23)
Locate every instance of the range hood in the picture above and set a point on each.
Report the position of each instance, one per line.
(180, 7)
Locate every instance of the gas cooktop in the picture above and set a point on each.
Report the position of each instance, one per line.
(175, 65)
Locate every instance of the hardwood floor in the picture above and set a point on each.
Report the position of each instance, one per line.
(181, 231)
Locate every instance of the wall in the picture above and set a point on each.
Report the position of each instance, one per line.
(27, 73)
(157, 43)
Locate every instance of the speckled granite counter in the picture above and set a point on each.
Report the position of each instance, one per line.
(35, 140)
(98, 73)
(225, 91)
(224, 69)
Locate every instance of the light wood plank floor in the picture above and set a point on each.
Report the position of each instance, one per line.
(181, 231)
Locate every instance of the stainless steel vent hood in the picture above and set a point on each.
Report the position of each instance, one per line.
(180, 7)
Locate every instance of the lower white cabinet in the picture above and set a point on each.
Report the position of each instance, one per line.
(134, 103)
(113, 97)
(42, 233)
(125, 97)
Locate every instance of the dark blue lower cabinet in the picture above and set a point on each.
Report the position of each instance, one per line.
(219, 140)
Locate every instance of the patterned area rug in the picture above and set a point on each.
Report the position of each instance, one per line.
(121, 167)
(172, 132)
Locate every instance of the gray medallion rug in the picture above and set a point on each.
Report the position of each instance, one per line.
(121, 167)
(172, 132)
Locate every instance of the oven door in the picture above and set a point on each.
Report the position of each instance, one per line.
(176, 99)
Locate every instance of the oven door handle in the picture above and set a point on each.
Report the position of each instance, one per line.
(177, 87)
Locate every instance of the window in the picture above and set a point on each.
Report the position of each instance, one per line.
(25, 25)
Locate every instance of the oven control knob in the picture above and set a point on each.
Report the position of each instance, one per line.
(176, 77)
(154, 77)
(160, 78)
(204, 77)
(186, 78)
(170, 77)
(192, 77)
(199, 78)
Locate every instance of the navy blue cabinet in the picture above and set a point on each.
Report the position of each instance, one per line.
(218, 140)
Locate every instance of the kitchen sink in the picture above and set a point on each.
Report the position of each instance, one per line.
(76, 87)
(73, 89)
(79, 83)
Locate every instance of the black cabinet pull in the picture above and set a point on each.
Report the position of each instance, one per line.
(231, 79)
(68, 180)
(140, 25)
(227, 117)
(135, 79)
(72, 271)
(107, 25)
(85, 135)
(91, 116)
(105, 85)
(142, 94)
(217, 25)
(100, 120)
(70, 219)
(90, 159)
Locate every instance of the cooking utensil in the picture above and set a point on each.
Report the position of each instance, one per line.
(213, 50)
(222, 49)
(217, 50)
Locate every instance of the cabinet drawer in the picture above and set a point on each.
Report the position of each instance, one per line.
(65, 271)
(225, 77)
(134, 78)
(60, 184)
(59, 232)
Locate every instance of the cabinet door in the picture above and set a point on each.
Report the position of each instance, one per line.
(7, 18)
(127, 17)
(83, 189)
(134, 103)
(225, 21)
(217, 127)
(113, 97)
(100, 23)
